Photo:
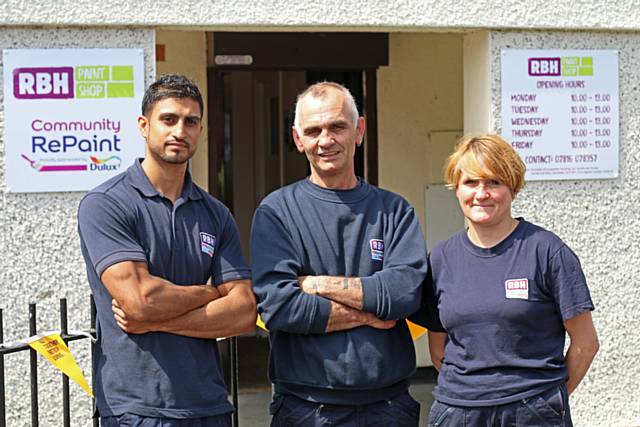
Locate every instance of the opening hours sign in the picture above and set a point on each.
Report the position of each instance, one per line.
(560, 111)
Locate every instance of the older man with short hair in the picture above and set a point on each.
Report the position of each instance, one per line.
(337, 265)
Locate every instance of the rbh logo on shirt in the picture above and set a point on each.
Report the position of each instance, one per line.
(207, 243)
(377, 249)
(516, 289)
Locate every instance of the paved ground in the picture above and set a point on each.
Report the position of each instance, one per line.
(255, 389)
(254, 404)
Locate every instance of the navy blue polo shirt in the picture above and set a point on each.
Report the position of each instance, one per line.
(157, 374)
(503, 309)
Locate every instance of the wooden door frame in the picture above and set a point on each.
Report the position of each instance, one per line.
(297, 51)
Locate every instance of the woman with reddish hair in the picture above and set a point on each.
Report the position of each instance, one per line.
(505, 292)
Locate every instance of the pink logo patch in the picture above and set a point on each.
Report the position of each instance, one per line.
(516, 289)
(377, 249)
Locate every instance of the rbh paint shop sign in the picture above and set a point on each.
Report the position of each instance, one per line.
(70, 116)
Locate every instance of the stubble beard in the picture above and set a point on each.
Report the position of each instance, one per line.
(171, 158)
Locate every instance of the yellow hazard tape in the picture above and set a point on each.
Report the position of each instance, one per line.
(261, 324)
(53, 348)
(416, 331)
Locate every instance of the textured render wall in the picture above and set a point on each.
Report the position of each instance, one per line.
(599, 219)
(375, 14)
(40, 258)
(419, 93)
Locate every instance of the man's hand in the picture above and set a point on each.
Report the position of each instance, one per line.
(381, 324)
(308, 284)
(343, 317)
(128, 325)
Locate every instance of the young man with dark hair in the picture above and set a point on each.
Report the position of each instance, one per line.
(152, 240)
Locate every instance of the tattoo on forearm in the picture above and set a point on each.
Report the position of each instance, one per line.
(344, 283)
(344, 290)
(326, 285)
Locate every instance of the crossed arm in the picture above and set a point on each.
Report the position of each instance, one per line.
(145, 303)
(321, 304)
(346, 296)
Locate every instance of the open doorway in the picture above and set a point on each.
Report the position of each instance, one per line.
(253, 86)
(258, 152)
(252, 90)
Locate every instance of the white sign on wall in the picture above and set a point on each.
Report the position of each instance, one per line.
(70, 116)
(560, 111)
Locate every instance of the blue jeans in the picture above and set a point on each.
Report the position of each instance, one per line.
(133, 420)
(290, 411)
(547, 409)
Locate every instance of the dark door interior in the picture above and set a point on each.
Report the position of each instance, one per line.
(259, 155)
(252, 92)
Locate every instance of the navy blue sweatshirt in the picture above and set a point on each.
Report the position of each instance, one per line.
(365, 232)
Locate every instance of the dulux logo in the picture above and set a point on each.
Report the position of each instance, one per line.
(109, 164)
(43, 82)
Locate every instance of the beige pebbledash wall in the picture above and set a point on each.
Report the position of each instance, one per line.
(419, 112)
(346, 15)
(186, 53)
(419, 119)
(40, 259)
(598, 219)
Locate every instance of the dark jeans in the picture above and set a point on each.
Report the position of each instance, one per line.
(547, 409)
(290, 411)
(133, 420)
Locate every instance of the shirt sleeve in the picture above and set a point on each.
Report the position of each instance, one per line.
(428, 314)
(395, 291)
(107, 233)
(229, 263)
(568, 284)
(275, 269)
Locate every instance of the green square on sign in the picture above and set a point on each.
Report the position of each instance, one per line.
(585, 71)
(569, 71)
(587, 61)
(122, 72)
(571, 60)
(119, 90)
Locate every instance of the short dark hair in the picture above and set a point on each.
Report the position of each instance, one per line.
(171, 86)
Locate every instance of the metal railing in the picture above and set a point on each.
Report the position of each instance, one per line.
(67, 337)
(33, 363)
